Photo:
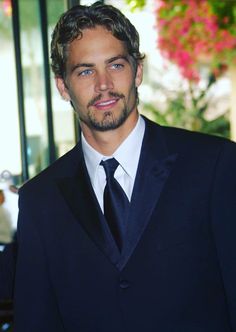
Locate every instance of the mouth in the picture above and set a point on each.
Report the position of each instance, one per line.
(106, 104)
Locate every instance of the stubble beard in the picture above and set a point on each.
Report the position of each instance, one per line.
(109, 121)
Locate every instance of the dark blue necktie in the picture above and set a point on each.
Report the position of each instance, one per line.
(116, 203)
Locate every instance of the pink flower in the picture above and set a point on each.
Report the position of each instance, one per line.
(189, 32)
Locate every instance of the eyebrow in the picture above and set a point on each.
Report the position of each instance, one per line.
(81, 65)
(108, 61)
(118, 57)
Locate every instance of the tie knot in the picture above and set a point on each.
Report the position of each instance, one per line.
(110, 166)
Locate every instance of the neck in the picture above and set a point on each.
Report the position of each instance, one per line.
(107, 142)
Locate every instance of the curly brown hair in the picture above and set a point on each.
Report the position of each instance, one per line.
(72, 23)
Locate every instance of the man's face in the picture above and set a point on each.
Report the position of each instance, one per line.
(100, 80)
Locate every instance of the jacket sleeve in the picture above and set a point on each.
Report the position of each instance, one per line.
(35, 306)
(223, 217)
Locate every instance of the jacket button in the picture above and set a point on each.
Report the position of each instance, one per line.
(124, 284)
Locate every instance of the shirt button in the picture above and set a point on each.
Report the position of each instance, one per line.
(124, 284)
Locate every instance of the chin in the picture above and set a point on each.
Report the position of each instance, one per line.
(108, 122)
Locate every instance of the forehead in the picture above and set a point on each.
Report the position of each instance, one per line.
(95, 44)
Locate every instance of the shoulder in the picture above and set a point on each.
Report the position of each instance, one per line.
(201, 146)
(178, 139)
(62, 167)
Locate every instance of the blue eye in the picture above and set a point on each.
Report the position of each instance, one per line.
(86, 72)
(117, 66)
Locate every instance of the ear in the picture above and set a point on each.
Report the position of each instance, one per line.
(139, 75)
(62, 88)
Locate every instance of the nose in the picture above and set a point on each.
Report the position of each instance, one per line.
(103, 82)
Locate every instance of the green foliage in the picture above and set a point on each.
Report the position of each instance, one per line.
(226, 13)
(136, 4)
(187, 109)
(178, 116)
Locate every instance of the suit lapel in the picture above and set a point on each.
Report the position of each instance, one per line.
(79, 195)
(153, 171)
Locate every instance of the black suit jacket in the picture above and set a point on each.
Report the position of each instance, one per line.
(7, 271)
(177, 272)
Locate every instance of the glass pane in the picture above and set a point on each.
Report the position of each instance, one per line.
(10, 156)
(63, 116)
(34, 92)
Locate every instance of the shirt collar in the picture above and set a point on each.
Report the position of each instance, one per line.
(127, 154)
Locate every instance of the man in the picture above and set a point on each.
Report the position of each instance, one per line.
(168, 263)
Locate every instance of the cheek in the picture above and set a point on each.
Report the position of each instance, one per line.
(125, 85)
(132, 89)
(79, 90)
(78, 97)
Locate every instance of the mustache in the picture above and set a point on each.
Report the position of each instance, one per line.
(110, 94)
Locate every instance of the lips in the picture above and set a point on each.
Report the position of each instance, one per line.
(105, 104)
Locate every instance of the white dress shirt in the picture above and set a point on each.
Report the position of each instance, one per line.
(127, 154)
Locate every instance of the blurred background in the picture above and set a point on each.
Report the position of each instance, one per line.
(189, 80)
